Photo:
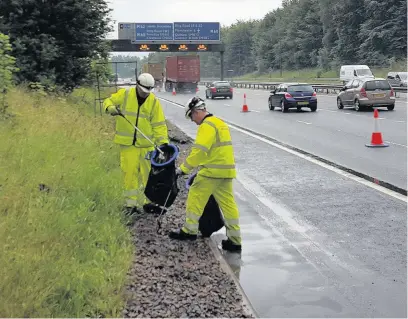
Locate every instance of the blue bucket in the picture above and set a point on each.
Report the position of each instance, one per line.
(174, 149)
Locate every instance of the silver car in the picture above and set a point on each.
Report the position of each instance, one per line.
(397, 79)
(366, 93)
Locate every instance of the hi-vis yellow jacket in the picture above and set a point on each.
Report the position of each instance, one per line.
(149, 118)
(212, 151)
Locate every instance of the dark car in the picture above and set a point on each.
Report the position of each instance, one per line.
(219, 89)
(293, 96)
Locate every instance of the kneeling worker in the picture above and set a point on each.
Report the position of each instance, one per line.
(143, 109)
(213, 154)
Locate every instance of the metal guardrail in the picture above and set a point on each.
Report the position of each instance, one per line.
(320, 88)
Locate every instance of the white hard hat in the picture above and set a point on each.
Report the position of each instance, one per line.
(146, 82)
(195, 103)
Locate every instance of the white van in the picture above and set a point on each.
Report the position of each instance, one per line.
(351, 72)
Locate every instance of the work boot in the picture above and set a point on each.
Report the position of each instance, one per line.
(153, 209)
(181, 235)
(227, 244)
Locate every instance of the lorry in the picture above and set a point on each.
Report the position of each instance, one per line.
(182, 73)
(156, 70)
(351, 72)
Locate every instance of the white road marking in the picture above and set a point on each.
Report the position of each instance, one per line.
(329, 110)
(256, 111)
(307, 123)
(400, 121)
(227, 104)
(317, 162)
(346, 113)
(396, 144)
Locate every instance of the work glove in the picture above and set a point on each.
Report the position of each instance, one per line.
(179, 172)
(113, 110)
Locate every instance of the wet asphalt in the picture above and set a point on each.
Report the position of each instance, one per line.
(315, 243)
(339, 136)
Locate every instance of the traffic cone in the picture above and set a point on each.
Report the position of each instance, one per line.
(376, 136)
(174, 91)
(197, 89)
(245, 106)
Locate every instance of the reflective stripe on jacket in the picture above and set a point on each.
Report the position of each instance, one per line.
(212, 151)
(149, 118)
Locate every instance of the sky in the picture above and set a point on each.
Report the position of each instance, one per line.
(224, 11)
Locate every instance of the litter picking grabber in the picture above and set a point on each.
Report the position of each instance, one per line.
(161, 213)
(161, 156)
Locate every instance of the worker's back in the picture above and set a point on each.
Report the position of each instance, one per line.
(220, 161)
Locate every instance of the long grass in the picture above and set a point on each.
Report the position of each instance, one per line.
(64, 247)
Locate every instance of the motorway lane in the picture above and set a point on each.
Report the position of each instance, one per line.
(336, 135)
(315, 243)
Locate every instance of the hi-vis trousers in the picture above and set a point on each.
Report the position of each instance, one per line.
(136, 169)
(198, 195)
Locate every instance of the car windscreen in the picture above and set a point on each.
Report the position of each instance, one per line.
(377, 85)
(403, 76)
(222, 84)
(300, 88)
(363, 72)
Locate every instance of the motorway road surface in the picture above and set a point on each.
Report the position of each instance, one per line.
(316, 242)
(336, 135)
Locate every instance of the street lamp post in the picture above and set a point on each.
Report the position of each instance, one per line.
(231, 71)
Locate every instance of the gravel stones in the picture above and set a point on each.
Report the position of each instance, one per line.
(177, 279)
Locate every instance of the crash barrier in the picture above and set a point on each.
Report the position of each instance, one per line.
(161, 187)
(211, 220)
(319, 88)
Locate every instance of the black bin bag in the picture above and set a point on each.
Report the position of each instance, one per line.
(211, 221)
(162, 182)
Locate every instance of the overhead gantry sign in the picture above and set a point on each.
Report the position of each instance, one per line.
(169, 37)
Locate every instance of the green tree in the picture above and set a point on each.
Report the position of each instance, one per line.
(56, 41)
(383, 35)
(348, 17)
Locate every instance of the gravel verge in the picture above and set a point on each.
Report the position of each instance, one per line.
(178, 279)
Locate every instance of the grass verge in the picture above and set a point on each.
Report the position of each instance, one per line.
(65, 250)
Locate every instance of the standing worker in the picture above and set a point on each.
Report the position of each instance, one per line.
(140, 106)
(213, 154)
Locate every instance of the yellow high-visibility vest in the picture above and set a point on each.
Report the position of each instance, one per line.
(212, 151)
(149, 118)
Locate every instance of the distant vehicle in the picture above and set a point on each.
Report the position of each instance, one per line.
(367, 93)
(182, 73)
(397, 79)
(293, 95)
(351, 72)
(219, 89)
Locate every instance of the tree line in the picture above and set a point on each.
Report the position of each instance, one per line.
(320, 34)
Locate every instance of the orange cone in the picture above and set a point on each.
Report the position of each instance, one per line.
(174, 91)
(376, 136)
(245, 106)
